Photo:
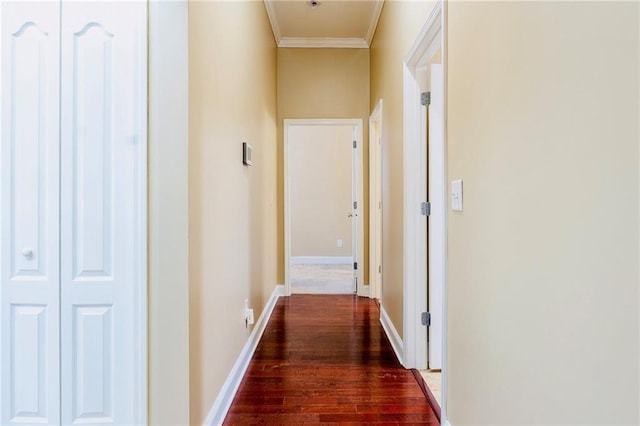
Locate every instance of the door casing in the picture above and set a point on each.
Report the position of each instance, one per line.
(358, 242)
(430, 40)
(375, 202)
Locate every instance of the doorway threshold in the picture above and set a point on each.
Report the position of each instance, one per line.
(431, 383)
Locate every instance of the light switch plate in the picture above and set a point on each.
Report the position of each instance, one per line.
(456, 195)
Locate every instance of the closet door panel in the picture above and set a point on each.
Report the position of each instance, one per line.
(29, 213)
(103, 164)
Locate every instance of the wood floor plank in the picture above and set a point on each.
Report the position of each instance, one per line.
(326, 360)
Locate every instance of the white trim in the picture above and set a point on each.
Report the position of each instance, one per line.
(375, 18)
(392, 335)
(415, 226)
(428, 40)
(445, 365)
(273, 20)
(321, 260)
(415, 189)
(221, 405)
(375, 197)
(364, 290)
(356, 124)
(319, 42)
(431, 38)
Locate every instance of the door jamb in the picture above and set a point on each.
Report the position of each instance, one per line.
(356, 124)
(375, 200)
(431, 38)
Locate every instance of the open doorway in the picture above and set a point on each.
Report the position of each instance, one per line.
(323, 223)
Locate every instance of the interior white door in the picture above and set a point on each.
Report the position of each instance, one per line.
(29, 213)
(103, 137)
(438, 199)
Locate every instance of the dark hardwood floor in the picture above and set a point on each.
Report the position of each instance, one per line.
(326, 360)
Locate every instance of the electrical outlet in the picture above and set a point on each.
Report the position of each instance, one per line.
(339, 243)
(246, 309)
(248, 314)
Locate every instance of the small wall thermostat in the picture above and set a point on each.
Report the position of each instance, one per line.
(246, 154)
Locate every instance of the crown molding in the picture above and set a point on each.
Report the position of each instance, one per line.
(271, 14)
(309, 42)
(375, 18)
(313, 42)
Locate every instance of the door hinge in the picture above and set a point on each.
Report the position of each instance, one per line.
(355, 144)
(426, 319)
(355, 204)
(426, 208)
(425, 98)
(355, 266)
(379, 269)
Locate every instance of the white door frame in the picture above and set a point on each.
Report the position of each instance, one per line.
(375, 202)
(358, 243)
(430, 39)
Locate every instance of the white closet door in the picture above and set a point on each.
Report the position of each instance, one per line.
(29, 213)
(103, 124)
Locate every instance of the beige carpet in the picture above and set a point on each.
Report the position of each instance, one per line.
(321, 279)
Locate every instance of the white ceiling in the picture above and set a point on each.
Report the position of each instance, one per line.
(334, 23)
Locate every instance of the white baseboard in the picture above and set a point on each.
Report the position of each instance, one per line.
(445, 422)
(392, 335)
(363, 290)
(321, 260)
(223, 402)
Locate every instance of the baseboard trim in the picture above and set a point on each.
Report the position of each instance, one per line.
(392, 334)
(363, 290)
(445, 422)
(321, 260)
(221, 405)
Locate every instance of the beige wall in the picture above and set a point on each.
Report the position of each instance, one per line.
(543, 262)
(232, 81)
(168, 211)
(321, 83)
(400, 23)
(321, 190)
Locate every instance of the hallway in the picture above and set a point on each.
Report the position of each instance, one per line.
(326, 359)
